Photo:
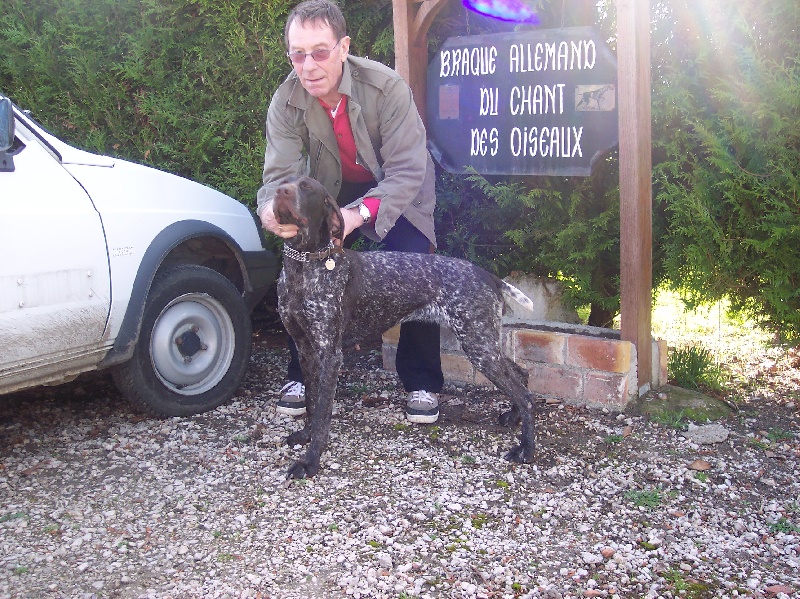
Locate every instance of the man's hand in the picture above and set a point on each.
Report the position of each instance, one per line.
(269, 222)
(352, 220)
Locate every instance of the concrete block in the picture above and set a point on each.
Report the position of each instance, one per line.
(389, 355)
(555, 381)
(448, 340)
(546, 296)
(392, 336)
(605, 390)
(660, 359)
(457, 368)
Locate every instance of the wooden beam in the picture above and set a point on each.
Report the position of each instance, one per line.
(635, 174)
(412, 19)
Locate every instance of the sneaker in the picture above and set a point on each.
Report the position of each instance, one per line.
(422, 407)
(293, 399)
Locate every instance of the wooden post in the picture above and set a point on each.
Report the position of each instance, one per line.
(635, 182)
(412, 19)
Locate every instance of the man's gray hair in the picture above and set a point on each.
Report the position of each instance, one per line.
(317, 11)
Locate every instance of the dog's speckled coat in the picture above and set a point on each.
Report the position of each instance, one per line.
(367, 293)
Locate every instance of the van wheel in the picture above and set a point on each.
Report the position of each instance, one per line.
(194, 345)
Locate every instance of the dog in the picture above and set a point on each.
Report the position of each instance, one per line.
(330, 298)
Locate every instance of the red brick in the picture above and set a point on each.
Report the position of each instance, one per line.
(602, 389)
(555, 381)
(539, 346)
(597, 353)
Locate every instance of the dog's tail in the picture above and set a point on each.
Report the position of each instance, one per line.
(511, 292)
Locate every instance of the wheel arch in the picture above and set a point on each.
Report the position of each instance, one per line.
(184, 242)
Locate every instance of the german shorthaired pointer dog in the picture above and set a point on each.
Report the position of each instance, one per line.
(329, 298)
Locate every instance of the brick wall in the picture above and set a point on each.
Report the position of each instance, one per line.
(577, 365)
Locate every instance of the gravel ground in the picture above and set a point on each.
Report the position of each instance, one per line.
(98, 501)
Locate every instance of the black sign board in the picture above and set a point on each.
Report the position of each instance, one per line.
(524, 103)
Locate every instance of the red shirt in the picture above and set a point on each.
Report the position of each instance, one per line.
(352, 172)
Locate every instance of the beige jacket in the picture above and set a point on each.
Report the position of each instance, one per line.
(390, 142)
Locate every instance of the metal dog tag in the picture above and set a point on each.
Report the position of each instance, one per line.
(330, 264)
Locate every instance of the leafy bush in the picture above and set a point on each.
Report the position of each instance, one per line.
(182, 85)
(565, 228)
(561, 227)
(727, 136)
(178, 84)
(472, 225)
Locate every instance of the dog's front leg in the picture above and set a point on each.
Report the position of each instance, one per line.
(320, 393)
(309, 364)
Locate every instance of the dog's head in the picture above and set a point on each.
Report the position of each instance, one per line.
(304, 202)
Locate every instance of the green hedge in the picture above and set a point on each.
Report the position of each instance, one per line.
(177, 84)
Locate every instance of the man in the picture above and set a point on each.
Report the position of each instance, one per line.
(351, 123)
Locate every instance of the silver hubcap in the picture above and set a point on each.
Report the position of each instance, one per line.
(192, 344)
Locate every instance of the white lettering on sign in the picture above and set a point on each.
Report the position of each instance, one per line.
(461, 62)
(577, 55)
(484, 141)
(490, 99)
(537, 99)
(524, 103)
(554, 142)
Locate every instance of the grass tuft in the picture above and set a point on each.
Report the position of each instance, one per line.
(694, 367)
(648, 499)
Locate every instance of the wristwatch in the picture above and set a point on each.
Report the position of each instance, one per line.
(365, 213)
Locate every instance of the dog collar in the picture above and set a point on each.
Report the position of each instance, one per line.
(323, 254)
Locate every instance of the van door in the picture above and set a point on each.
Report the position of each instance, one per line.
(54, 274)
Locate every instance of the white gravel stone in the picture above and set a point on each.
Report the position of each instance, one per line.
(706, 434)
(98, 501)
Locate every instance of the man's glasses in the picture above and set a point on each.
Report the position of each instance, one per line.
(318, 55)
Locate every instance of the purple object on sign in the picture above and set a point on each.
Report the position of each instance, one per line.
(519, 11)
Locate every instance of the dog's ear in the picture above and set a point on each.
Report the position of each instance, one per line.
(333, 216)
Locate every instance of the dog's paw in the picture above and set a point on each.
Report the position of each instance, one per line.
(301, 437)
(520, 454)
(302, 469)
(510, 418)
